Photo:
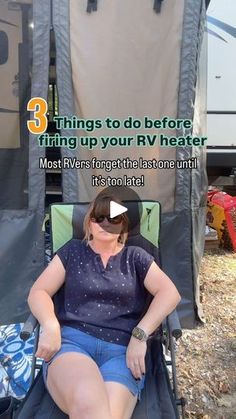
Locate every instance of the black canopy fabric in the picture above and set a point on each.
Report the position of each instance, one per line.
(22, 183)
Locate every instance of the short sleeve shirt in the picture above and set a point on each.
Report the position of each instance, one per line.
(106, 302)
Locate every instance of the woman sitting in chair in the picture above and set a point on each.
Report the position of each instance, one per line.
(94, 350)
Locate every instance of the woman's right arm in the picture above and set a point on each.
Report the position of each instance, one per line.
(42, 307)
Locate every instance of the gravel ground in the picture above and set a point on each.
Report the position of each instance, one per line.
(206, 356)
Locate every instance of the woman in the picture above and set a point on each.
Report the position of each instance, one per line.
(94, 350)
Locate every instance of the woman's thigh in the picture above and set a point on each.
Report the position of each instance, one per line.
(75, 382)
(123, 389)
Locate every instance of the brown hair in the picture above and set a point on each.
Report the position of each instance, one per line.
(101, 205)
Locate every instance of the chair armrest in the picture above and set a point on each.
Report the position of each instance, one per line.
(28, 327)
(173, 324)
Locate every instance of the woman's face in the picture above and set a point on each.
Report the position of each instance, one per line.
(105, 229)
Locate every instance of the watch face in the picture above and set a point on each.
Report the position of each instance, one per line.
(138, 333)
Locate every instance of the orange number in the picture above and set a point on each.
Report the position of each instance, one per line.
(39, 106)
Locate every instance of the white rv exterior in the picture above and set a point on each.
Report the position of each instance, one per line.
(10, 38)
(221, 106)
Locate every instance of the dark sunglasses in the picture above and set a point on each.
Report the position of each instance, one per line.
(100, 218)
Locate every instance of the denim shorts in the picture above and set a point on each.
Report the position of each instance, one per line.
(109, 357)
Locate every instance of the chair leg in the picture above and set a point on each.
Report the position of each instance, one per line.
(179, 401)
(33, 367)
(174, 378)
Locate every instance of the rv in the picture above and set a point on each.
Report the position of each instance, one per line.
(221, 94)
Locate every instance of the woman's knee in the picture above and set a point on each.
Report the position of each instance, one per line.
(85, 404)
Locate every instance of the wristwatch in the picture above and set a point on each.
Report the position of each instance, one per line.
(139, 334)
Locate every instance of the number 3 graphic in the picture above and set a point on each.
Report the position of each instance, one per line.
(39, 106)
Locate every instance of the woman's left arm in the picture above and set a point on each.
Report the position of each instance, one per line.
(166, 298)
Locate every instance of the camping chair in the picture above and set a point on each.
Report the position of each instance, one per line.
(159, 396)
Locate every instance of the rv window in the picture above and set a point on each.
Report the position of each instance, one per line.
(3, 47)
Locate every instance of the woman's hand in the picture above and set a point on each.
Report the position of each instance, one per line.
(135, 357)
(49, 340)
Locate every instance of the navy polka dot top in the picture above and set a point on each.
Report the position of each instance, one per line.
(104, 302)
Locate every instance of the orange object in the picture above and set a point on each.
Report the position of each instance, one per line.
(221, 215)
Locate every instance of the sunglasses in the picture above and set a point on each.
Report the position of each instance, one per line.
(100, 218)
